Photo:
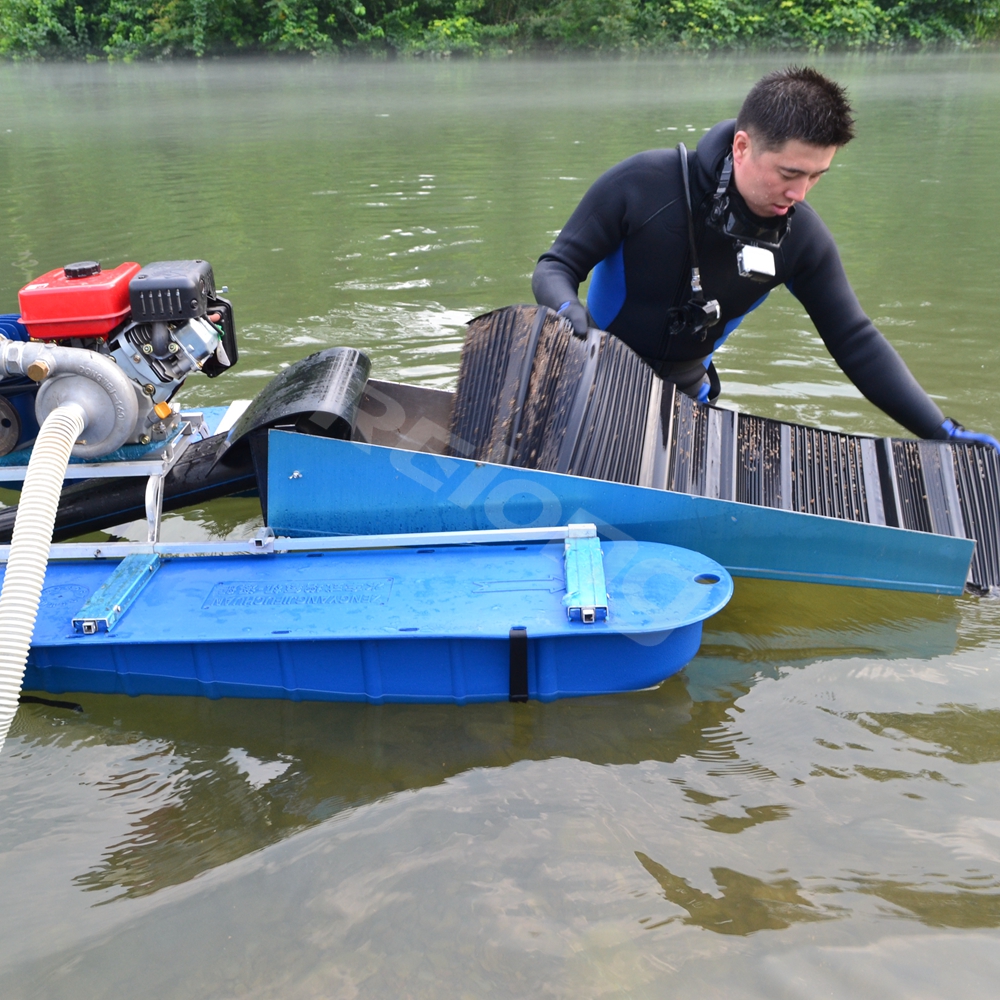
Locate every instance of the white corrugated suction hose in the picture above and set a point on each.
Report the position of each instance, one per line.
(29, 550)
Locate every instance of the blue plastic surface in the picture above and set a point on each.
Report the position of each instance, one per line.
(390, 625)
(342, 487)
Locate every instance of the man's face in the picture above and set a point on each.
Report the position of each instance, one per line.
(772, 180)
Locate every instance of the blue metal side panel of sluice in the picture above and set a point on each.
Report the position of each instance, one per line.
(321, 486)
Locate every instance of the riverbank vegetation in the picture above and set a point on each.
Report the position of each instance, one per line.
(144, 29)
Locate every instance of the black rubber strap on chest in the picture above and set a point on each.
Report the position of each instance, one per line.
(695, 268)
(724, 177)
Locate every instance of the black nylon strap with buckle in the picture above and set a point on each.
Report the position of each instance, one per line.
(519, 664)
(698, 313)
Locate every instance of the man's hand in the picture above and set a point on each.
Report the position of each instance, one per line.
(574, 313)
(952, 431)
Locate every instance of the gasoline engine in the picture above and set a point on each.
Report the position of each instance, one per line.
(119, 343)
(100, 354)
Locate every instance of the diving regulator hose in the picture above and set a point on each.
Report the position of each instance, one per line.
(80, 391)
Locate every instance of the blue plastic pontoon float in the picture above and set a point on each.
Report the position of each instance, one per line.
(473, 616)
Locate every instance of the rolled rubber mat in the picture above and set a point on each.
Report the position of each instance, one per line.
(532, 394)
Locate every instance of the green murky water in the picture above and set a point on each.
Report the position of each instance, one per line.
(811, 809)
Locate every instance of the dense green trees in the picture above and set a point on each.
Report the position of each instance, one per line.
(132, 29)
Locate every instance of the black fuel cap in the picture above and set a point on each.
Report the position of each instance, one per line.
(82, 269)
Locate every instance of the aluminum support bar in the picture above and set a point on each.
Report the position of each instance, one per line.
(266, 543)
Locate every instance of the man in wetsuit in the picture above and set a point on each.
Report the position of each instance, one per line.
(684, 244)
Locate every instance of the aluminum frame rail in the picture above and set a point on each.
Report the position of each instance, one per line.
(265, 542)
(586, 598)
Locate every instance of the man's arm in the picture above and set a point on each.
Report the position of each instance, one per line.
(865, 356)
(594, 230)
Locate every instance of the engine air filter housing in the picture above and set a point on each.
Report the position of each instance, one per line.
(171, 290)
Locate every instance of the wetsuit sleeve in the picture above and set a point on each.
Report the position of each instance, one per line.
(866, 357)
(594, 230)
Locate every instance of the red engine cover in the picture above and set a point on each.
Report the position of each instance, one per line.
(54, 307)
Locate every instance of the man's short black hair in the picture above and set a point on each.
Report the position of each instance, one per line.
(797, 103)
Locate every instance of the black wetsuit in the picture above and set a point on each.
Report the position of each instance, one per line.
(631, 230)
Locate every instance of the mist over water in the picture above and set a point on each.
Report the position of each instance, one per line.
(810, 809)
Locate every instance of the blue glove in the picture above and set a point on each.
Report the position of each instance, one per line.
(953, 431)
(574, 313)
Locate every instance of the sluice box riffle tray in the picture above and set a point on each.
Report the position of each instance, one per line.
(460, 617)
(544, 428)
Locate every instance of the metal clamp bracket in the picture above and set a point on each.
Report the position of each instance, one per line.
(586, 597)
(105, 607)
(263, 542)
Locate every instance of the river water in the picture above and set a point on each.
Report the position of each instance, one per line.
(811, 809)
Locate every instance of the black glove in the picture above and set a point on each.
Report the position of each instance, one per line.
(574, 313)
